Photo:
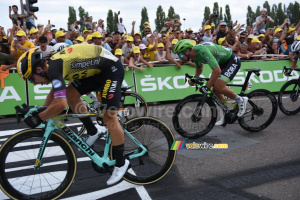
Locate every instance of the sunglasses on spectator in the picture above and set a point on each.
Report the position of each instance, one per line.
(242, 37)
(147, 31)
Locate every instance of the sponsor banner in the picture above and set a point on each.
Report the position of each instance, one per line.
(168, 83)
(154, 84)
(12, 94)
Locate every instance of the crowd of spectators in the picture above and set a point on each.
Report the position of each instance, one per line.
(149, 46)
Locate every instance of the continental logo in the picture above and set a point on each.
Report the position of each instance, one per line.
(106, 88)
(86, 63)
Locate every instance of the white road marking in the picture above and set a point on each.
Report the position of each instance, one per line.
(122, 186)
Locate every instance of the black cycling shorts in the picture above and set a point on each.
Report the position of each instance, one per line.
(109, 81)
(230, 68)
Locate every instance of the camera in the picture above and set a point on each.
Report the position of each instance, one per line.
(53, 25)
(16, 41)
(215, 15)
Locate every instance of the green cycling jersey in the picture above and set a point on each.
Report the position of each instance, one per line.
(211, 54)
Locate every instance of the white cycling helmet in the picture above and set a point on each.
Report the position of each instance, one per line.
(295, 47)
(58, 47)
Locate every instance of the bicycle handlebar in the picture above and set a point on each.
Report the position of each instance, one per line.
(195, 79)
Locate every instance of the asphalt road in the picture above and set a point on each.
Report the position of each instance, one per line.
(264, 165)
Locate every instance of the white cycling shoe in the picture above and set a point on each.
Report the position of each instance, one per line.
(92, 138)
(221, 121)
(242, 106)
(118, 173)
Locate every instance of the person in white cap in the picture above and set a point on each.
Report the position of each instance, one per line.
(261, 22)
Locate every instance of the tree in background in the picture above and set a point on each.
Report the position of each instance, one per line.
(257, 12)
(82, 16)
(267, 6)
(295, 11)
(280, 14)
(250, 16)
(220, 15)
(216, 12)
(144, 19)
(227, 15)
(72, 16)
(160, 18)
(110, 22)
(171, 13)
(274, 14)
(115, 22)
(206, 14)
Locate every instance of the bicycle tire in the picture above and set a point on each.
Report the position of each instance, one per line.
(156, 137)
(260, 117)
(17, 158)
(288, 101)
(136, 104)
(182, 117)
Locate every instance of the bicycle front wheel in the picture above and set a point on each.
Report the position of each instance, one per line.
(136, 105)
(288, 98)
(187, 124)
(18, 155)
(260, 112)
(157, 138)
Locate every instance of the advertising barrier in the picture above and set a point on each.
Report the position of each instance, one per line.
(155, 84)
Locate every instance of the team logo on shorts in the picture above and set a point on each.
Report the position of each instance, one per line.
(106, 88)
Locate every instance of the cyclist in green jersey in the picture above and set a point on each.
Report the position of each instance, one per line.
(224, 64)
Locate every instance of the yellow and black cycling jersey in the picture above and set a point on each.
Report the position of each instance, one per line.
(81, 61)
(77, 62)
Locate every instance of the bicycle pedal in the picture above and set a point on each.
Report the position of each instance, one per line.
(109, 169)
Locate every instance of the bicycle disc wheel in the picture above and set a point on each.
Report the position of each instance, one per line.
(136, 105)
(260, 112)
(158, 140)
(186, 124)
(18, 155)
(288, 98)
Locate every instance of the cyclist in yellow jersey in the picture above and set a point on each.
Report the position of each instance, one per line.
(90, 68)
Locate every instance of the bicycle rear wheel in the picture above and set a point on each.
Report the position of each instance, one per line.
(158, 140)
(189, 126)
(18, 154)
(261, 111)
(288, 97)
(136, 105)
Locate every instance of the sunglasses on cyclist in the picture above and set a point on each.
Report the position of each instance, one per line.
(39, 73)
(182, 54)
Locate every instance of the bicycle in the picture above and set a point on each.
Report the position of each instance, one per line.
(41, 164)
(132, 105)
(288, 95)
(195, 115)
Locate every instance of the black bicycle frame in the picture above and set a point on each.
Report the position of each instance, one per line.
(218, 101)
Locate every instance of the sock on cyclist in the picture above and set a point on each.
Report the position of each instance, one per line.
(93, 96)
(239, 99)
(118, 152)
(89, 125)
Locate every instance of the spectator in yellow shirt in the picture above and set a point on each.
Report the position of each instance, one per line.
(18, 47)
(152, 46)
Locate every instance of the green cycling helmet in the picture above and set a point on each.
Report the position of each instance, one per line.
(182, 45)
